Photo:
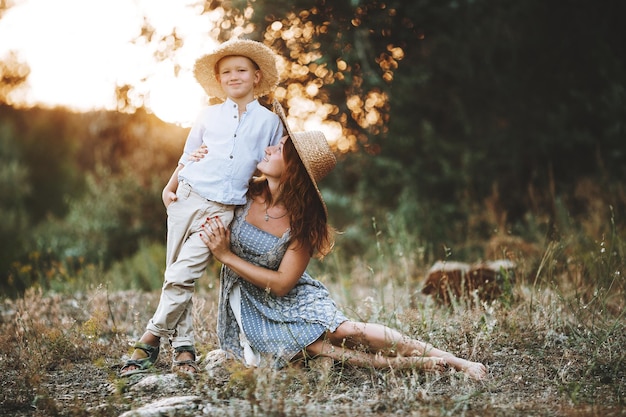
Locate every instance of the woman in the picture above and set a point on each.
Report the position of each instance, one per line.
(270, 309)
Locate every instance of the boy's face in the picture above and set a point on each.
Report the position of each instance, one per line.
(238, 76)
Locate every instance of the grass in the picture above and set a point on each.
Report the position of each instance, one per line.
(553, 343)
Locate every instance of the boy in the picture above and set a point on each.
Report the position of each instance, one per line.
(235, 133)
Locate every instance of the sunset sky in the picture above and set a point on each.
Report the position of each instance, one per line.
(78, 50)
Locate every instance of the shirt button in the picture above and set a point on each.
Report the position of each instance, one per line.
(231, 157)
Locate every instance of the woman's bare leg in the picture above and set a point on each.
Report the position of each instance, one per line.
(323, 347)
(379, 338)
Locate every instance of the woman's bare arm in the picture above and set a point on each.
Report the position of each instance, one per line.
(279, 282)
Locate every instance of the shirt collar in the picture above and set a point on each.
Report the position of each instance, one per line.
(250, 106)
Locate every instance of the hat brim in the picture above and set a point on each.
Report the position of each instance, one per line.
(310, 143)
(205, 67)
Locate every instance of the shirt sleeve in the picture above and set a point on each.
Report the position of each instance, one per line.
(194, 139)
(278, 133)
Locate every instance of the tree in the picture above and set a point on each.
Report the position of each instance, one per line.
(463, 101)
(13, 76)
(15, 190)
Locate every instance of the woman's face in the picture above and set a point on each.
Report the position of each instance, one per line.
(273, 164)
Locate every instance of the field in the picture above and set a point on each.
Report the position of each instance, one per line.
(553, 341)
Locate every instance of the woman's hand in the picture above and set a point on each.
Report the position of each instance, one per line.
(278, 282)
(198, 154)
(217, 238)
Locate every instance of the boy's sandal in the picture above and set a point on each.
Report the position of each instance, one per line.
(182, 366)
(144, 364)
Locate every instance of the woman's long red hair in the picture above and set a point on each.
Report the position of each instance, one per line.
(309, 225)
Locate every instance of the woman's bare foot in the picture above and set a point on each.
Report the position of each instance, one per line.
(475, 370)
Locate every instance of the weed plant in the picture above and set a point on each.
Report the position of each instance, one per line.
(553, 343)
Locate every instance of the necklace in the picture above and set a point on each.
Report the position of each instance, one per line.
(268, 217)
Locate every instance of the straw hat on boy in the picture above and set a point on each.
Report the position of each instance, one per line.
(205, 67)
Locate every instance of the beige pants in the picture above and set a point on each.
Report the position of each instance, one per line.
(186, 260)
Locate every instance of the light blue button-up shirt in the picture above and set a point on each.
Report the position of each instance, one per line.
(235, 148)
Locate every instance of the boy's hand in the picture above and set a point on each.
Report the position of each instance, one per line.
(168, 197)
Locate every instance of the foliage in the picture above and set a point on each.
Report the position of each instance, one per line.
(461, 121)
(81, 199)
(15, 189)
(141, 271)
(13, 75)
(48, 142)
(479, 98)
(105, 224)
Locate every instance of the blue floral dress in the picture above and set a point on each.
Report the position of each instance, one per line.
(276, 327)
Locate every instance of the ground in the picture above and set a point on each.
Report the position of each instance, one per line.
(61, 354)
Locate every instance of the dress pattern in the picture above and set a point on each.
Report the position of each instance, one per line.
(276, 327)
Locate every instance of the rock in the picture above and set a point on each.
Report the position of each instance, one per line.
(160, 383)
(172, 406)
(216, 365)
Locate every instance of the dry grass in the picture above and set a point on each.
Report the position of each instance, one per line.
(553, 344)
(549, 353)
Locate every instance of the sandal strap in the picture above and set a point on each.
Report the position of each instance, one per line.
(146, 347)
(187, 362)
(151, 351)
(186, 348)
(140, 363)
